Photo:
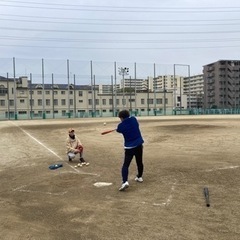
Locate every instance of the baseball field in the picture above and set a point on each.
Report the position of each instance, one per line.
(182, 156)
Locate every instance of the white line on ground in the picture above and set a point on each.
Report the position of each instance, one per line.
(163, 204)
(169, 199)
(222, 168)
(20, 189)
(75, 169)
(48, 193)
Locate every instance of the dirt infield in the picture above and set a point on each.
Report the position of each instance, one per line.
(182, 155)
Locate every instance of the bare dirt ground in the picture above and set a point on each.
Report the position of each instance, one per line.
(182, 155)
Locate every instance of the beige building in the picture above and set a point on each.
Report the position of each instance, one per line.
(193, 88)
(168, 83)
(61, 101)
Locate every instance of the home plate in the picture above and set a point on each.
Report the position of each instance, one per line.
(102, 184)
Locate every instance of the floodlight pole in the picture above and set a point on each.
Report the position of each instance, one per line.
(123, 72)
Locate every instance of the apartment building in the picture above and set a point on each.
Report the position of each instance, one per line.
(20, 99)
(128, 83)
(161, 83)
(167, 83)
(221, 84)
(193, 87)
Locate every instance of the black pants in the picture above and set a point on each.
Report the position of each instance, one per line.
(129, 154)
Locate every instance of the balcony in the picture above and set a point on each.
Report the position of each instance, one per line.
(211, 81)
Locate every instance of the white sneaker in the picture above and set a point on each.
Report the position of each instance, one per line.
(138, 179)
(79, 165)
(124, 186)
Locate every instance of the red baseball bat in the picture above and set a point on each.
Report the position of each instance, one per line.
(108, 131)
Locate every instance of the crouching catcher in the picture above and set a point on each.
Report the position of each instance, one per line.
(74, 147)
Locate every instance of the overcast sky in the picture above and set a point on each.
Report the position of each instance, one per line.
(194, 32)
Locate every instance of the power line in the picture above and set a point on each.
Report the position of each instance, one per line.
(122, 41)
(121, 48)
(122, 24)
(117, 7)
(122, 32)
(120, 20)
(121, 9)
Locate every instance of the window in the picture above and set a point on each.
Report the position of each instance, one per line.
(71, 92)
(71, 102)
(55, 92)
(39, 92)
(2, 103)
(31, 102)
(31, 92)
(11, 102)
(81, 101)
(63, 102)
(22, 101)
(89, 101)
(22, 112)
(117, 101)
(3, 90)
(97, 101)
(39, 102)
(104, 101)
(80, 93)
(159, 100)
(47, 102)
(142, 101)
(47, 92)
(150, 101)
(63, 92)
(110, 101)
(55, 102)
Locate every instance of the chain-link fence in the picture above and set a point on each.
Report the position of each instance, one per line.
(47, 76)
(59, 88)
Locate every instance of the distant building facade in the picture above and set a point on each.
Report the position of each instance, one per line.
(20, 99)
(221, 84)
(168, 83)
(193, 88)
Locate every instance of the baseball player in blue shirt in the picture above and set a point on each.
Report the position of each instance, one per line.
(133, 145)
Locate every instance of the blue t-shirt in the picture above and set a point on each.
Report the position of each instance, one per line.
(129, 128)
